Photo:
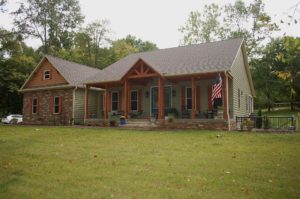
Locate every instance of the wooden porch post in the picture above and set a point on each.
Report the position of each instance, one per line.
(126, 98)
(193, 98)
(225, 97)
(86, 102)
(106, 103)
(161, 108)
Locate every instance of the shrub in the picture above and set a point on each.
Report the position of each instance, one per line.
(259, 120)
(174, 112)
(266, 123)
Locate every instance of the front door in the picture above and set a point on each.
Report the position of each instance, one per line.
(154, 100)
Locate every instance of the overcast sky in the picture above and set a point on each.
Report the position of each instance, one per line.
(156, 20)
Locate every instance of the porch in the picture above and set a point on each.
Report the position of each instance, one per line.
(145, 94)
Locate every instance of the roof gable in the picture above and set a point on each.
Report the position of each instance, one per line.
(72, 73)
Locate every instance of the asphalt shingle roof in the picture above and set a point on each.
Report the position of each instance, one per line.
(197, 58)
(73, 72)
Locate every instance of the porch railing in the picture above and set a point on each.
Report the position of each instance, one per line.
(286, 123)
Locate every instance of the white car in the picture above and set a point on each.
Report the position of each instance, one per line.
(10, 119)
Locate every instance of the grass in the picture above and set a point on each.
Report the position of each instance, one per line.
(280, 111)
(62, 162)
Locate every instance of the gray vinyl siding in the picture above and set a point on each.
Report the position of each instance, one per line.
(94, 106)
(240, 81)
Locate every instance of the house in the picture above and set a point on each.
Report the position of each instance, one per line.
(177, 80)
(54, 93)
(150, 85)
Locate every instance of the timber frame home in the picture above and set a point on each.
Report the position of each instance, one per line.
(150, 86)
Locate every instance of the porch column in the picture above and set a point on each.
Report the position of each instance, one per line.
(193, 97)
(106, 103)
(86, 102)
(225, 97)
(161, 108)
(126, 99)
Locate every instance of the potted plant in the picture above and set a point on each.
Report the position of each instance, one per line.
(122, 120)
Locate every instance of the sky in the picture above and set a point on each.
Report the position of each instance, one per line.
(156, 20)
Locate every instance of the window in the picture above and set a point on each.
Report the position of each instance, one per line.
(34, 105)
(239, 98)
(114, 101)
(57, 104)
(188, 98)
(46, 74)
(134, 101)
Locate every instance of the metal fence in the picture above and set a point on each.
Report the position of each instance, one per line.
(248, 123)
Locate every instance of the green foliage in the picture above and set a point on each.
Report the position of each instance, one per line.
(203, 26)
(263, 77)
(259, 119)
(141, 46)
(121, 48)
(51, 21)
(230, 21)
(16, 62)
(288, 68)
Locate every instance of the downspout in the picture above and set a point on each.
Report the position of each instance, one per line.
(227, 96)
(74, 98)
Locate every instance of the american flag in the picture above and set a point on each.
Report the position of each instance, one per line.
(217, 89)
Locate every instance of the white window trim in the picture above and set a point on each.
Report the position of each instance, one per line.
(45, 76)
(33, 105)
(54, 105)
(112, 101)
(137, 101)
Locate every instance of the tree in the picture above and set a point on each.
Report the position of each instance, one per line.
(203, 27)
(2, 4)
(289, 67)
(121, 48)
(52, 21)
(96, 35)
(16, 62)
(269, 89)
(142, 46)
(250, 22)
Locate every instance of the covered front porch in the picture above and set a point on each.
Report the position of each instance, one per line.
(143, 93)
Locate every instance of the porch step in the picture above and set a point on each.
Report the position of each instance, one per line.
(138, 123)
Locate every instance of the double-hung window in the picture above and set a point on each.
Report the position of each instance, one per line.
(57, 104)
(34, 105)
(114, 101)
(46, 74)
(188, 98)
(134, 101)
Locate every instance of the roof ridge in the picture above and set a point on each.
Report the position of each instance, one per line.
(189, 45)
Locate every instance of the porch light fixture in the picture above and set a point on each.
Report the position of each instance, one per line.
(147, 94)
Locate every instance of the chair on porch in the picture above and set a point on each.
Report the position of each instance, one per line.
(185, 114)
(136, 114)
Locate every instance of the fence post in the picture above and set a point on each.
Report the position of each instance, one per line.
(298, 122)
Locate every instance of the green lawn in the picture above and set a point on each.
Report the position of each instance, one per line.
(280, 111)
(61, 162)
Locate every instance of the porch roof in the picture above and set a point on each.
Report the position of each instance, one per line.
(183, 60)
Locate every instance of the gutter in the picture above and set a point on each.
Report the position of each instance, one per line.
(45, 88)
